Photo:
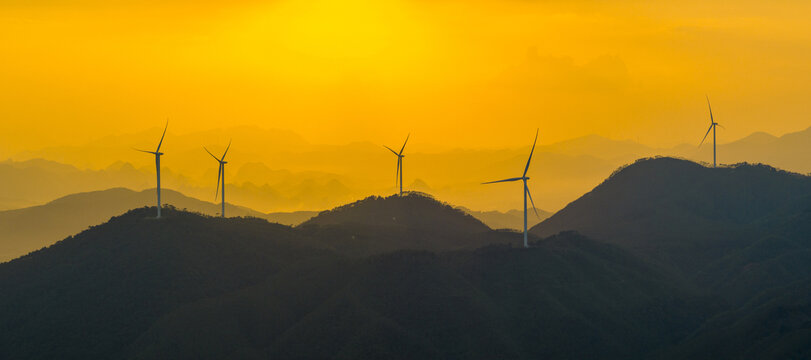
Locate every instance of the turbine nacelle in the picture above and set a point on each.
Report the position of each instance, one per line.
(398, 176)
(712, 129)
(220, 175)
(158, 154)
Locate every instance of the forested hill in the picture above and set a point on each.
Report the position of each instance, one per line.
(683, 213)
(409, 277)
(191, 286)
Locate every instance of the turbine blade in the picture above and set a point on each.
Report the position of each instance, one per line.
(397, 175)
(531, 151)
(212, 155)
(705, 136)
(148, 152)
(162, 136)
(526, 188)
(722, 127)
(710, 106)
(226, 150)
(392, 151)
(219, 175)
(404, 144)
(505, 180)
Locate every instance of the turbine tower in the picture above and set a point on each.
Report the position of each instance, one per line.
(158, 154)
(398, 177)
(526, 189)
(220, 175)
(713, 124)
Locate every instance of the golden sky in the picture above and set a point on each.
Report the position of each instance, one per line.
(475, 74)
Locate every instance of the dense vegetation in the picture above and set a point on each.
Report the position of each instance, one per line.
(408, 277)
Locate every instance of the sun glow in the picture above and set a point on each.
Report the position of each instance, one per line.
(328, 40)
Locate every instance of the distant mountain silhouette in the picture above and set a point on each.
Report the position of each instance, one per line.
(678, 211)
(37, 181)
(295, 175)
(598, 146)
(420, 186)
(28, 229)
(290, 218)
(790, 151)
(512, 219)
(188, 286)
(758, 138)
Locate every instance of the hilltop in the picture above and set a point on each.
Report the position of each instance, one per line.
(412, 210)
(413, 221)
(24, 231)
(679, 211)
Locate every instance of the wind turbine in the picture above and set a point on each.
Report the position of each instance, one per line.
(526, 189)
(158, 154)
(398, 177)
(220, 175)
(713, 124)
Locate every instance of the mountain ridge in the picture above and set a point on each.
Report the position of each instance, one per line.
(284, 292)
(24, 232)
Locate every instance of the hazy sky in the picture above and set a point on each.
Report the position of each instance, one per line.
(466, 73)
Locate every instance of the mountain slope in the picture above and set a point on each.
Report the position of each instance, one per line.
(566, 297)
(777, 260)
(775, 325)
(90, 295)
(680, 212)
(25, 230)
